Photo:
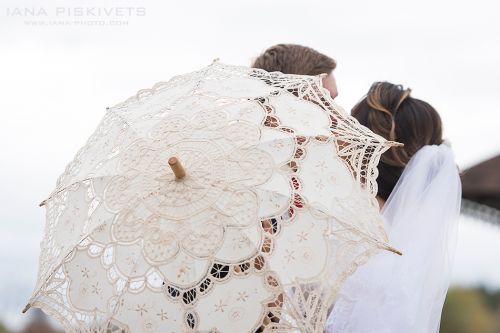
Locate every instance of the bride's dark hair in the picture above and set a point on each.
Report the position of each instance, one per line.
(391, 112)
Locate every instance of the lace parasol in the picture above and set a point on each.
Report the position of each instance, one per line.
(225, 200)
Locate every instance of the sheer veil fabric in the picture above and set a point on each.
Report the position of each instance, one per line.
(406, 294)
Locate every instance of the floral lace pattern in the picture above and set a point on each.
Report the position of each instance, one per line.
(191, 214)
(276, 210)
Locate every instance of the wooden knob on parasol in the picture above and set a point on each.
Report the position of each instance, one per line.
(177, 167)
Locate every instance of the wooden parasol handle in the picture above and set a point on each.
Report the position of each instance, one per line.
(177, 167)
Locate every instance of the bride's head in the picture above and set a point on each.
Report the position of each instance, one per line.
(390, 111)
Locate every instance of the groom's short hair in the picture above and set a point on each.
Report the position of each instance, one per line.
(294, 59)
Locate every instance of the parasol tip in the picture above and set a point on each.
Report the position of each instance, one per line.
(177, 167)
(393, 250)
(41, 203)
(26, 308)
(395, 144)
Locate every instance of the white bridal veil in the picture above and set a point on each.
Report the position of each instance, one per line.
(406, 294)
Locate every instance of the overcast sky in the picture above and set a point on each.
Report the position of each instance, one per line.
(59, 69)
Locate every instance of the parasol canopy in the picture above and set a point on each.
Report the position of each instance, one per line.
(225, 200)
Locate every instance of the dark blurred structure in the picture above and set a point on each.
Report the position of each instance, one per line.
(481, 190)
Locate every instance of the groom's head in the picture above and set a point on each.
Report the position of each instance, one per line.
(298, 59)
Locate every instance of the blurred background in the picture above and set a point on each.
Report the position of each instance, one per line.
(63, 62)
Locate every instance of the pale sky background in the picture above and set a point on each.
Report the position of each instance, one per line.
(56, 80)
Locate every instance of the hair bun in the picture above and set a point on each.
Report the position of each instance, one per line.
(389, 111)
(404, 95)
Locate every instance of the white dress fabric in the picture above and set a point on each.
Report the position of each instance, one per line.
(406, 294)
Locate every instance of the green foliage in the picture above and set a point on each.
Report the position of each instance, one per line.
(3, 329)
(492, 298)
(470, 311)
